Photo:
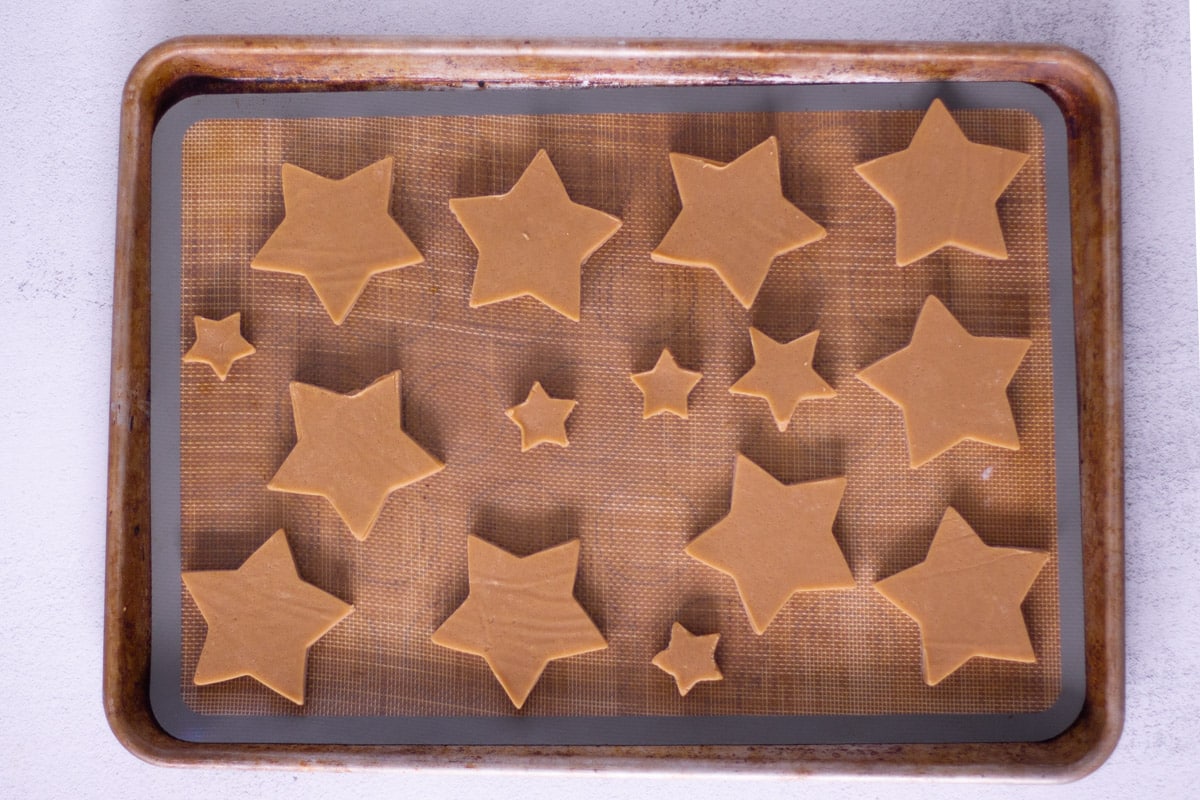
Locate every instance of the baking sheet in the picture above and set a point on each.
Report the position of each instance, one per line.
(830, 700)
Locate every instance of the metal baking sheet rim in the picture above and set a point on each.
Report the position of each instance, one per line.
(183, 723)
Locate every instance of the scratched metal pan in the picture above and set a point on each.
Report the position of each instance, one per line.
(185, 82)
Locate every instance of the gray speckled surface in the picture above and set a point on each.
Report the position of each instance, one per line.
(58, 122)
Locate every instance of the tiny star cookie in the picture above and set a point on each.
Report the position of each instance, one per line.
(689, 659)
(219, 343)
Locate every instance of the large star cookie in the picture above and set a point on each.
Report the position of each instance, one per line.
(665, 388)
(351, 450)
(337, 234)
(950, 385)
(218, 343)
(541, 418)
(689, 659)
(735, 219)
(782, 375)
(776, 540)
(520, 614)
(944, 189)
(261, 618)
(533, 240)
(966, 598)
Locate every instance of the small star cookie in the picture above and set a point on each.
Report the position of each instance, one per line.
(689, 659)
(219, 343)
(541, 418)
(665, 388)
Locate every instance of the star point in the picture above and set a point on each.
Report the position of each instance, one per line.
(777, 540)
(219, 343)
(541, 418)
(351, 450)
(665, 388)
(337, 234)
(782, 375)
(532, 240)
(520, 614)
(951, 386)
(944, 189)
(966, 599)
(735, 219)
(689, 658)
(262, 618)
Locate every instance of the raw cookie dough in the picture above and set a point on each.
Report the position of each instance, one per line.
(966, 598)
(532, 240)
(261, 618)
(950, 385)
(541, 418)
(944, 189)
(351, 450)
(783, 375)
(665, 388)
(776, 540)
(337, 234)
(520, 614)
(735, 219)
(219, 343)
(689, 659)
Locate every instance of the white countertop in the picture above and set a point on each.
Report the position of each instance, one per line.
(59, 106)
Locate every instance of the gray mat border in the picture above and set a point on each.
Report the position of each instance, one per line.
(166, 700)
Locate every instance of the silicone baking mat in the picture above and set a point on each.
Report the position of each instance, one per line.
(633, 491)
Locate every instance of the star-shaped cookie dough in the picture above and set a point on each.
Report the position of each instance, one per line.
(776, 540)
(219, 343)
(520, 614)
(689, 659)
(944, 189)
(782, 374)
(262, 618)
(351, 450)
(665, 388)
(950, 385)
(337, 234)
(533, 240)
(966, 598)
(735, 219)
(541, 418)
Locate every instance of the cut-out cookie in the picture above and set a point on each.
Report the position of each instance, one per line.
(337, 234)
(665, 388)
(219, 343)
(532, 240)
(520, 614)
(782, 375)
(261, 618)
(951, 386)
(351, 450)
(966, 598)
(735, 219)
(689, 659)
(541, 418)
(944, 188)
(776, 540)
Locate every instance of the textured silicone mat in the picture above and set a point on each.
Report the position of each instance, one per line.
(634, 492)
